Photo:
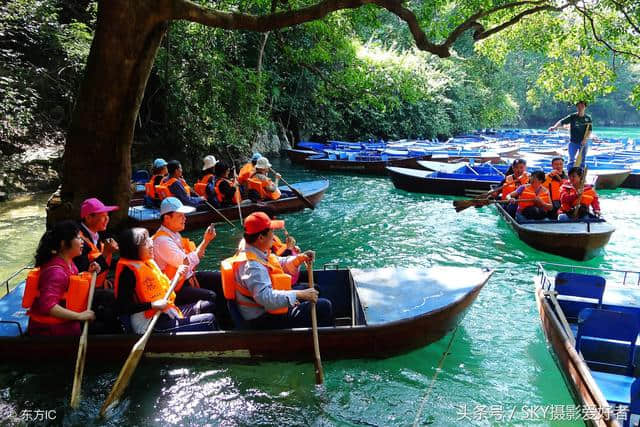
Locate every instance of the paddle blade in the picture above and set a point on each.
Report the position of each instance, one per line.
(123, 380)
(304, 199)
(77, 377)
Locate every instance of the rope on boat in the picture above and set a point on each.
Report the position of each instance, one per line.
(433, 379)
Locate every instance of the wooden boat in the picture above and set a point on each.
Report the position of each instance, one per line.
(462, 182)
(580, 240)
(298, 156)
(371, 166)
(149, 218)
(379, 313)
(632, 181)
(607, 179)
(571, 305)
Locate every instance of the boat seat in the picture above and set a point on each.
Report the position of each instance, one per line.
(236, 316)
(601, 334)
(615, 388)
(577, 292)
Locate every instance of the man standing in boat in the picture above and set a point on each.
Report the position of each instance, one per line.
(580, 126)
(260, 282)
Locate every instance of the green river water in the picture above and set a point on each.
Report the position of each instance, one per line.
(498, 365)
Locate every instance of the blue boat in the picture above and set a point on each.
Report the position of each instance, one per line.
(591, 318)
(465, 181)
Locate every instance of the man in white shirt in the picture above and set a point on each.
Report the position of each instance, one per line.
(170, 250)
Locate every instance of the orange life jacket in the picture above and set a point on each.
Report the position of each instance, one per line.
(151, 283)
(221, 199)
(245, 173)
(260, 186)
(94, 253)
(553, 185)
(150, 187)
(228, 268)
(163, 190)
(510, 184)
(278, 247)
(530, 193)
(588, 194)
(74, 299)
(200, 187)
(187, 245)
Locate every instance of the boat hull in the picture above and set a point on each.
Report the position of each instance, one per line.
(609, 180)
(362, 167)
(448, 186)
(578, 241)
(299, 156)
(569, 366)
(201, 219)
(632, 181)
(380, 331)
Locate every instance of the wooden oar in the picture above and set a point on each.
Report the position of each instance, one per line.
(461, 205)
(296, 192)
(240, 198)
(134, 357)
(488, 193)
(82, 350)
(220, 213)
(314, 327)
(580, 156)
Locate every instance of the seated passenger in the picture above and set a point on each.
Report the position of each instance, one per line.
(159, 171)
(55, 294)
(95, 218)
(576, 199)
(175, 186)
(248, 170)
(208, 177)
(533, 199)
(224, 191)
(140, 289)
(516, 176)
(261, 282)
(553, 182)
(260, 185)
(171, 250)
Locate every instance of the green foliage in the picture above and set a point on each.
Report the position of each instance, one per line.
(41, 63)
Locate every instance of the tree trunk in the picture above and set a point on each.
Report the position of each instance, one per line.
(97, 157)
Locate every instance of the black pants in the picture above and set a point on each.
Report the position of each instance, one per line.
(297, 317)
(197, 317)
(210, 289)
(534, 212)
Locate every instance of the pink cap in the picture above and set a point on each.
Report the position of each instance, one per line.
(93, 205)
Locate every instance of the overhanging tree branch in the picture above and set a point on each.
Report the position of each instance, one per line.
(599, 39)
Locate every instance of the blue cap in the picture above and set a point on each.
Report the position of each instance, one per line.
(159, 163)
(255, 156)
(171, 204)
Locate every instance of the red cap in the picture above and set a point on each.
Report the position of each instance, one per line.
(93, 205)
(259, 221)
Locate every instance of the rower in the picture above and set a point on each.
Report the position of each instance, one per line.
(159, 171)
(553, 182)
(140, 287)
(174, 185)
(171, 250)
(580, 126)
(208, 176)
(225, 192)
(260, 282)
(513, 180)
(260, 186)
(541, 204)
(574, 196)
(55, 294)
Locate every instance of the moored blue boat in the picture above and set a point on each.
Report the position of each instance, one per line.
(591, 318)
